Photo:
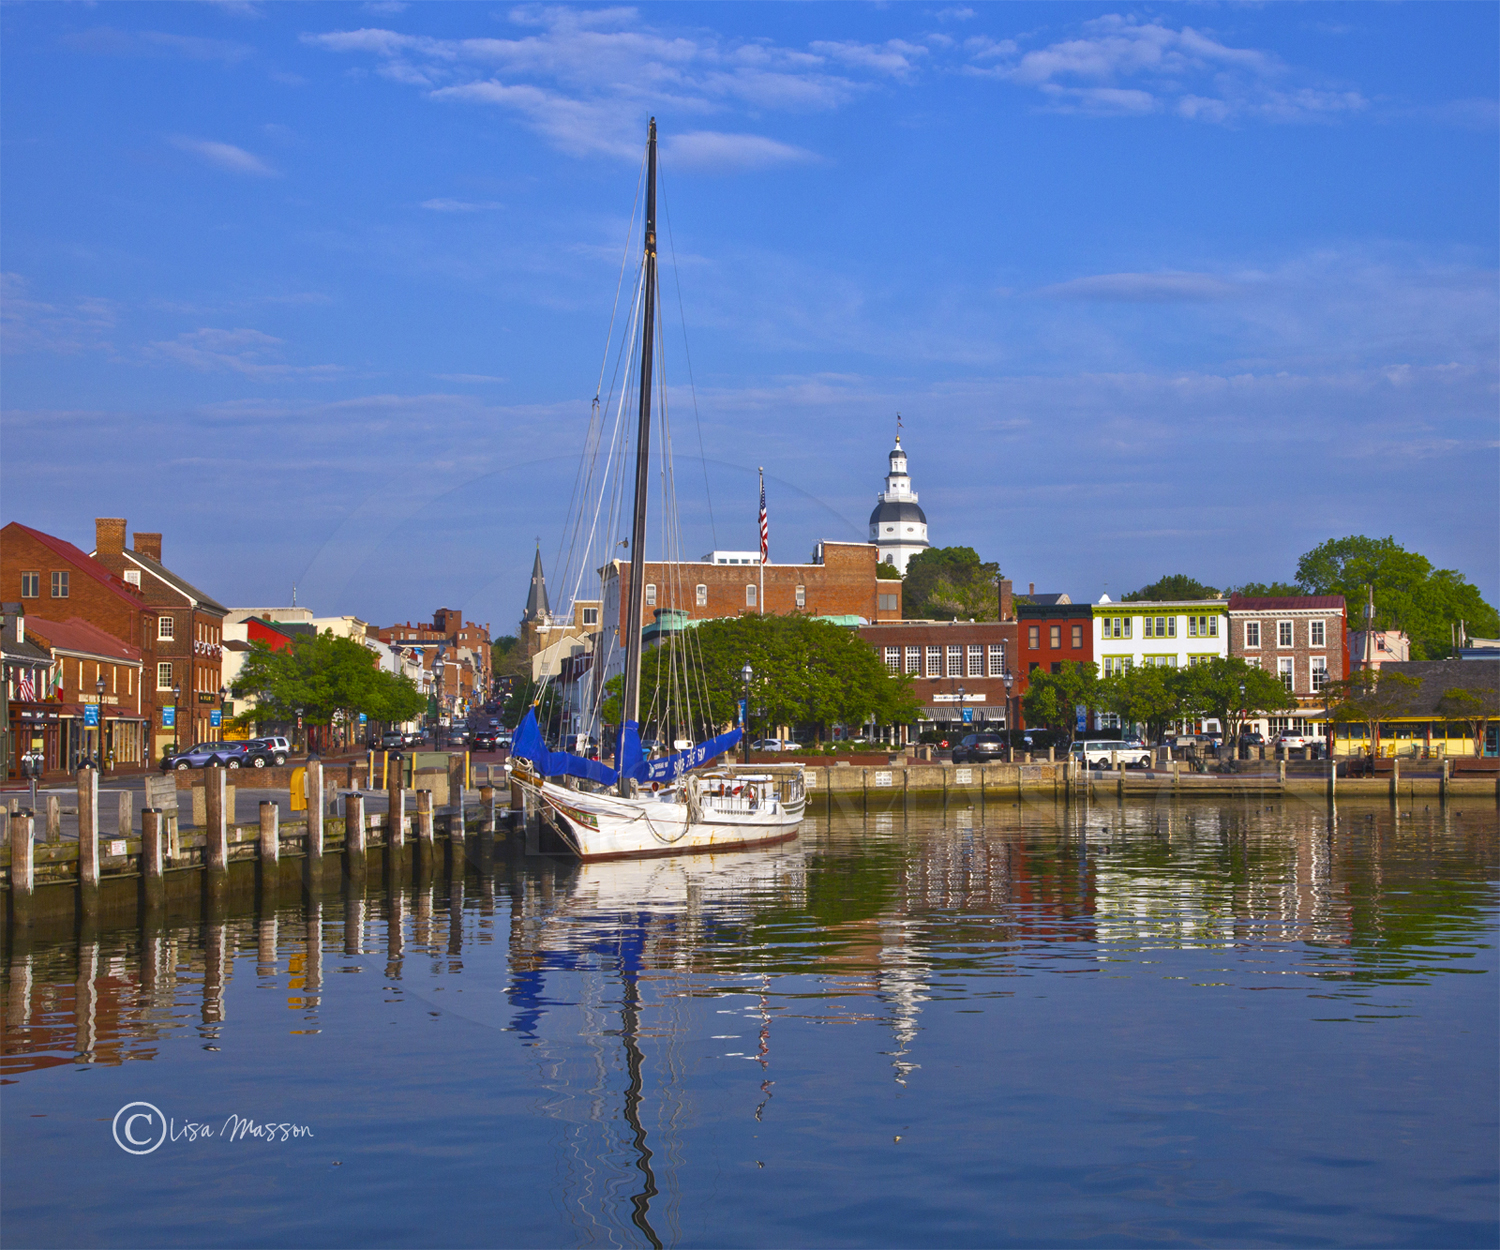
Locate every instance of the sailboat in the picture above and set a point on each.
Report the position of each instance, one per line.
(643, 807)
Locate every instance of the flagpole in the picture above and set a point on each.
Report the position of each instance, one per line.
(764, 545)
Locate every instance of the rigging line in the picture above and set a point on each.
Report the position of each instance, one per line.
(692, 386)
(624, 264)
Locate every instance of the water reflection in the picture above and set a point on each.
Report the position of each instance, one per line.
(614, 988)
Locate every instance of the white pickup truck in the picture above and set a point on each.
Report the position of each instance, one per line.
(1097, 753)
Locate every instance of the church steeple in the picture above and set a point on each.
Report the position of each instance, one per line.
(537, 607)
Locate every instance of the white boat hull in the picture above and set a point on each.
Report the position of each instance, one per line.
(600, 826)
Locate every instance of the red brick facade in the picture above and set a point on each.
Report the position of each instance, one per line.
(840, 582)
(1052, 634)
(1304, 639)
(946, 658)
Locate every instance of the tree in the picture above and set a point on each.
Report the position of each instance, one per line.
(1477, 707)
(887, 572)
(1410, 594)
(1228, 690)
(1173, 586)
(950, 583)
(1368, 696)
(508, 658)
(1149, 695)
(805, 672)
(324, 678)
(1266, 590)
(1053, 699)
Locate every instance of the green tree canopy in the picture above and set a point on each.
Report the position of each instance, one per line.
(1478, 707)
(1053, 699)
(1172, 586)
(1266, 590)
(324, 677)
(1368, 696)
(1148, 695)
(806, 672)
(1410, 594)
(950, 583)
(1213, 690)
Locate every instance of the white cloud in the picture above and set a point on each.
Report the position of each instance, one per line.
(1127, 66)
(707, 149)
(107, 41)
(28, 324)
(1153, 288)
(225, 156)
(895, 56)
(460, 206)
(250, 352)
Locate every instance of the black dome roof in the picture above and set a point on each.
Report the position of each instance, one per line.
(888, 512)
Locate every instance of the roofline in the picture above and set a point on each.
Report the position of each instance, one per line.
(162, 573)
(99, 572)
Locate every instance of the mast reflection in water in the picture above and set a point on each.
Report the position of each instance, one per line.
(1129, 1024)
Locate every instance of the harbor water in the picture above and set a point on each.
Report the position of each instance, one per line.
(1117, 1024)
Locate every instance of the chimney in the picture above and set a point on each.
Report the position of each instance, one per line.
(1007, 602)
(148, 545)
(1030, 589)
(109, 535)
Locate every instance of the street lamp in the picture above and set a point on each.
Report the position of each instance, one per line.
(176, 715)
(1010, 724)
(99, 728)
(1234, 752)
(439, 656)
(746, 674)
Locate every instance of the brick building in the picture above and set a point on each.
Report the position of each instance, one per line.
(465, 678)
(954, 666)
(839, 581)
(92, 667)
(42, 573)
(1303, 639)
(1053, 629)
(189, 634)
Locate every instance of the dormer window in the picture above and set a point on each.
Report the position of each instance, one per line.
(133, 576)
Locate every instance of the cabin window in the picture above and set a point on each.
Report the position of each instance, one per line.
(650, 594)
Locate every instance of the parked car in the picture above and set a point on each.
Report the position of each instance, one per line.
(209, 755)
(767, 744)
(1250, 738)
(392, 741)
(1291, 742)
(976, 748)
(457, 736)
(485, 740)
(503, 740)
(279, 748)
(1097, 753)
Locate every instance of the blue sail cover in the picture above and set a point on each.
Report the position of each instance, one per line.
(674, 766)
(528, 745)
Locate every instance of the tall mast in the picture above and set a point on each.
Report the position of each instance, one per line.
(631, 707)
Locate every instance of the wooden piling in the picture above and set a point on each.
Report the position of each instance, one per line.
(424, 818)
(395, 837)
(88, 827)
(125, 819)
(1281, 774)
(22, 863)
(270, 834)
(1443, 780)
(152, 862)
(1395, 776)
(314, 785)
(354, 825)
(214, 787)
(54, 819)
(486, 808)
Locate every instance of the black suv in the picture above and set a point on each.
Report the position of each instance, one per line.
(976, 748)
(485, 740)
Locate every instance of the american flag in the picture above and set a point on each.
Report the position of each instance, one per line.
(765, 524)
(26, 686)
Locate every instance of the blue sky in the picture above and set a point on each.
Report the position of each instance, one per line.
(320, 291)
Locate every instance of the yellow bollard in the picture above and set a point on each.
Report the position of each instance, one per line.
(299, 790)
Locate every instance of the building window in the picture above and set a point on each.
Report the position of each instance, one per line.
(1034, 637)
(997, 659)
(1252, 633)
(750, 599)
(163, 676)
(591, 615)
(700, 596)
(1116, 664)
(31, 585)
(1316, 634)
(913, 659)
(1032, 667)
(1285, 672)
(1057, 666)
(1213, 627)
(976, 660)
(1203, 627)
(1116, 627)
(1319, 671)
(1077, 637)
(1283, 633)
(934, 661)
(955, 661)
(1054, 637)
(60, 585)
(166, 627)
(888, 603)
(801, 597)
(650, 594)
(893, 659)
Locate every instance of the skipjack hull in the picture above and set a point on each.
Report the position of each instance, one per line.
(710, 814)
